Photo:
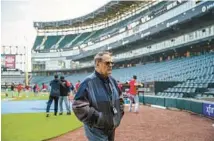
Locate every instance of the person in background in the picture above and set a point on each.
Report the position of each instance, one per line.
(72, 93)
(6, 90)
(19, 89)
(98, 102)
(44, 87)
(36, 89)
(12, 87)
(64, 94)
(77, 85)
(27, 88)
(54, 95)
(120, 86)
(133, 84)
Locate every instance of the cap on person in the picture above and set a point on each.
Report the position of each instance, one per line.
(55, 76)
(62, 77)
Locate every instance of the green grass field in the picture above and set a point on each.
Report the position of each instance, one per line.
(36, 127)
(26, 96)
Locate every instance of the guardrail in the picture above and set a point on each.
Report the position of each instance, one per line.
(193, 105)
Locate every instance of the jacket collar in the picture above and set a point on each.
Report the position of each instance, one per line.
(101, 77)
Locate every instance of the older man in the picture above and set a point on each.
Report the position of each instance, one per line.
(98, 102)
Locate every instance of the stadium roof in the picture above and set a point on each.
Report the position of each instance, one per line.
(104, 13)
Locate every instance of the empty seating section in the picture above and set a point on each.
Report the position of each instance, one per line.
(175, 95)
(41, 79)
(67, 40)
(73, 40)
(199, 73)
(12, 79)
(108, 30)
(199, 96)
(96, 34)
(38, 41)
(83, 38)
(80, 39)
(194, 73)
(51, 41)
(86, 39)
(134, 17)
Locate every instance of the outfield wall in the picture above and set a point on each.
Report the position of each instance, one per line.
(196, 106)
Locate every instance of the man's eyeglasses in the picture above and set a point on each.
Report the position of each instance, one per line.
(108, 63)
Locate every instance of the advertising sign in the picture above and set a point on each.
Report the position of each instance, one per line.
(208, 109)
(10, 61)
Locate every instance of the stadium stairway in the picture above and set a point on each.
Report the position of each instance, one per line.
(51, 41)
(38, 41)
(42, 46)
(66, 40)
(58, 42)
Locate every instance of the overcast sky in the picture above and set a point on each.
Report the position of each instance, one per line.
(17, 16)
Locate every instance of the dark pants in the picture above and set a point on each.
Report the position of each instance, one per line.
(51, 98)
(94, 134)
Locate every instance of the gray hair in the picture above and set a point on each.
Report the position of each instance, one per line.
(99, 56)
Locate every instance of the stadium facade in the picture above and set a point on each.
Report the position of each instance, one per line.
(13, 65)
(13, 57)
(149, 28)
(155, 40)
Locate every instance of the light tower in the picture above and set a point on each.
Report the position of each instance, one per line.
(26, 65)
(26, 61)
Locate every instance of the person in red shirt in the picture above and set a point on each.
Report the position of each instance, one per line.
(119, 85)
(27, 88)
(133, 94)
(44, 87)
(77, 85)
(19, 88)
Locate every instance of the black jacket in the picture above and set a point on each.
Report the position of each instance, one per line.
(92, 103)
(64, 90)
(55, 87)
